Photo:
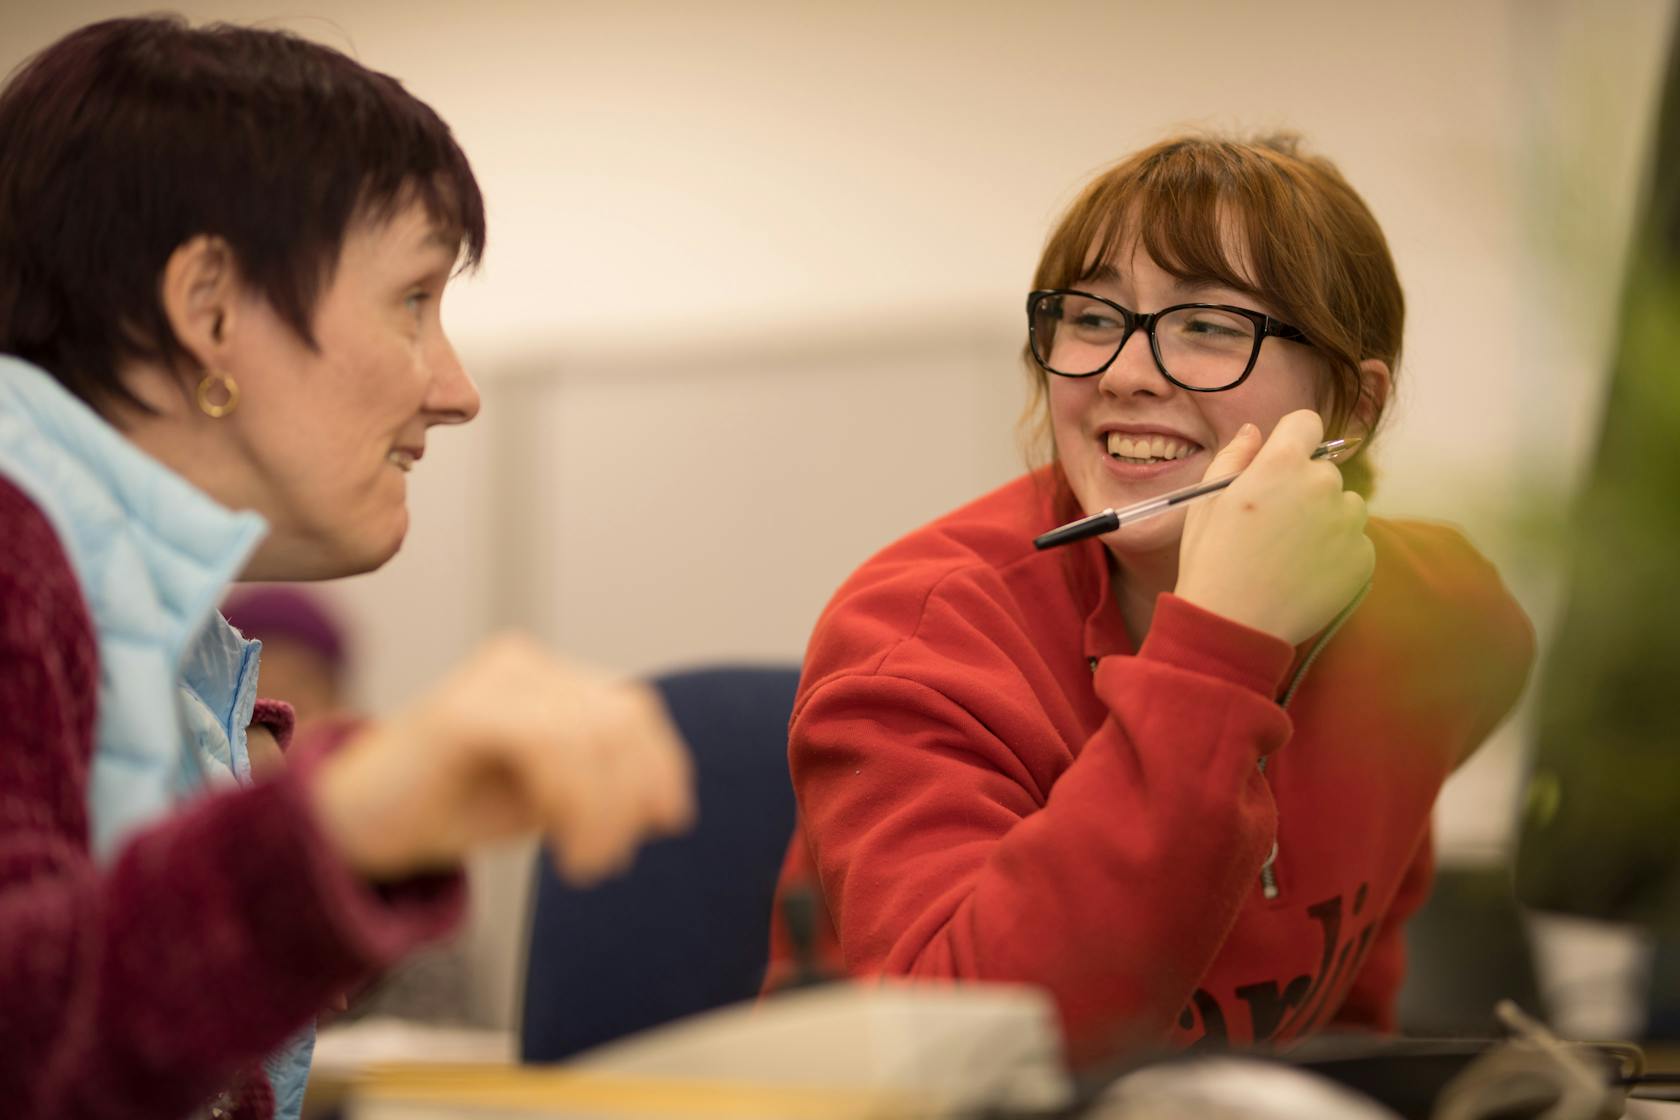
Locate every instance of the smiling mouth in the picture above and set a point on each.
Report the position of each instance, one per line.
(1148, 449)
(402, 460)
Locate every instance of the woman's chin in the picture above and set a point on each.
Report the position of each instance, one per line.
(377, 552)
(367, 561)
(327, 554)
(1151, 537)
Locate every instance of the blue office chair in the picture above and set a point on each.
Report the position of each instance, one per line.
(688, 928)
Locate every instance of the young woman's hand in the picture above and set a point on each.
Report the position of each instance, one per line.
(513, 742)
(1283, 548)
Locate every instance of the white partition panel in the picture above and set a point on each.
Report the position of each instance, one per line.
(700, 507)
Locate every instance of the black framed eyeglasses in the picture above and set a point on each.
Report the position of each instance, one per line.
(1202, 347)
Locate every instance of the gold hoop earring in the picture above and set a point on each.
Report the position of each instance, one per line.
(230, 393)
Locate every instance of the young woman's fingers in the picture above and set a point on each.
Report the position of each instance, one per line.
(1295, 436)
(1236, 455)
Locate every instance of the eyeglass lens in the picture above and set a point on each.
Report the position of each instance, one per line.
(1198, 346)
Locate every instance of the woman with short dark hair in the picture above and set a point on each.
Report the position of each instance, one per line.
(222, 252)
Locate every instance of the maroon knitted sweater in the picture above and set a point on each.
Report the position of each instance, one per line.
(146, 987)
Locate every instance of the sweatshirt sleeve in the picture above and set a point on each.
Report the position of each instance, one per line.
(142, 988)
(957, 834)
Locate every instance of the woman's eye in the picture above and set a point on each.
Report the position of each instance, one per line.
(416, 300)
(1098, 320)
(1204, 325)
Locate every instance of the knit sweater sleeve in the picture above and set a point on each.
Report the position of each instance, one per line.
(956, 835)
(142, 988)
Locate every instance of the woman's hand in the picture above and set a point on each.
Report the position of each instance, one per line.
(1283, 548)
(514, 741)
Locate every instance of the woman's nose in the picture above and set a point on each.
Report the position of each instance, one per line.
(454, 397)
(1133, 369)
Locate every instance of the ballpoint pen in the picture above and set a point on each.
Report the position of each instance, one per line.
(1109, 520)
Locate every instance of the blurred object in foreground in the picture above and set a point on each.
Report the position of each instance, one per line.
(835, 1052)
(1232, 1088)
(1537, 1074)
(1599, 835)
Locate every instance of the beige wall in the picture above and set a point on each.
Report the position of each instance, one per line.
(755, 273)
(752, 297)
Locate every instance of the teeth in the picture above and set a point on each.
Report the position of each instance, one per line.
(402, 460)
(1145, 448)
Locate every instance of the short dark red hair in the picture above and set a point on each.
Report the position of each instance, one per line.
(127, 138)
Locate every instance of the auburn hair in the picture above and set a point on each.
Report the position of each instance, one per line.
(1258, 216)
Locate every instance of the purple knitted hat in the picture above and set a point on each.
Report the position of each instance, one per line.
(266, 611)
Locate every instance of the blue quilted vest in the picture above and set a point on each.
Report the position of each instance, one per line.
(152, 555)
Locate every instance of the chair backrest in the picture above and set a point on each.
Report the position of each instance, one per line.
(688, 928)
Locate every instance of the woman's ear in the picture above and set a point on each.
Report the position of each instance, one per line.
(1375, 383)
(198, 293)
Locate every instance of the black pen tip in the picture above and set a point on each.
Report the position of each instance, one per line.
(1093, 526)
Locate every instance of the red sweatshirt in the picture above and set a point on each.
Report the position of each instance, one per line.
(993, 784)
(145, 988)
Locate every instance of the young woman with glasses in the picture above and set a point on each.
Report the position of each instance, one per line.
(1180, 775)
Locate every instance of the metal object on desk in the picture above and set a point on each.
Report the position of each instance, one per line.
(1528, 1076)
(1538, 1074)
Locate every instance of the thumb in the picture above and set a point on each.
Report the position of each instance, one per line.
(1236, 455)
